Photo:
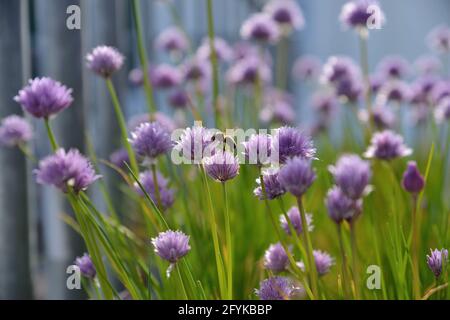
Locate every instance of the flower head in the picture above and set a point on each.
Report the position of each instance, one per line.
(307, 68)
(222, 166)
(357, 14)
(325, 102)
(119, 157)
(223, 51)
(196, 69)
(277, 288)
(340, 207)
(15, 130)
(290, 142)
(396, 90)
(44, 97)
(286, 13)
(275, 258)
(171, 245)
(387, 145)
(437, 260)
(352, 175)
(296, 176)
(442, 112)
(273, 188)
(413, 181)
(439, 39)
(260, 27)
(172, 39)
(66, 170)
(394, 67)
(426, 65)
(166, 194)
(179, 99)
(151, 140)
(104, 61)
(323, 262)
(193, 143)
(165, 76)
(296, 221)
(86, 266)
(257, 149)
(249, 70)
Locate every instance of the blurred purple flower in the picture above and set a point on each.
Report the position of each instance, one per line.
(119, 157)
(357, 14)
(307, 68)
(165, 76)
(272, 186)
(442, 112)
(14, 131)
(151, 140)
(104, 61)
(296, 221)
(193, 143)
(44, 97)
(275, 258)
(86, 266)
(222, 166)
(277, 288)
(323, 262)
(297, 175)
(387, 145)
(172, 39)
(436, 261)
(340, 207)
(352, 175)
(393, 91)
(223, 51)
(257, 149)
(290, 142)
(249, 70)
(426, 65)
(66, 170)
(413, 182)
(395, 67)
(440, 91)
(420, 90)
(171, 245)
(325, 103)
(147, 182)
(179, 99)
(439, 39)
(286, 13)
(260, 27)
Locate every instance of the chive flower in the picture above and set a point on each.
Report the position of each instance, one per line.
(289, 142)
(166, 194)
(151, 140)
(86, 266)
(14, 131)
(437, 260)
(296, 176)
(413, 182)
(222, 166)
(275, 258)
(323, 262)
(387, 145)
(257, 150)
(104, 61)
(286, 13)
(261, 28)
(296, 221)
(277, 288)
(340, 207)
(273, 187)
(172, 39)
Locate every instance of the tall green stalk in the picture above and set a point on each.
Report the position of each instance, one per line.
(155, 183)
(354, 261)
(344, 263)
(415, 250)
(364, 61)
(122, 124)
(50, 134)
(152, 108)
(229, 242)
(214, 64)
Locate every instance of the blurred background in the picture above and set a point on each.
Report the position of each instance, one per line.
(36, 245)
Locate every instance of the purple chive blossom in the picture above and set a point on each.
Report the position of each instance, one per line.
(86, 266)
(357, 14)
(222, 166)
(104, 61)
(350, 89)
(439, 39)
(296, 221)
(44, 97)
(383, 117)
(338, 68)
(257, 149)
(224, 53)
(249, 70)
(427, 65)
(275, 258)
(171, 245)
(196, 70)
(352, 175)
(193, 143)
(166, 194)
(277, 288)
(323, 262)
(278, 107)
(260, 27)
(394, 91)
(273, 187)
(172, 39)
(442, 112)
(119, 158)
(420, 91)
(413, 182)
(387, 145)
(307, 68)
(151, 140)
(325, 103)
(437, 260)
(179, 99)
(340, 207)
(440, 91)
(66, 169)
(394, 67)
(165, 76)
(290, 142)
(376, 82)
(286, 13)
(15, 130)
(296, 176)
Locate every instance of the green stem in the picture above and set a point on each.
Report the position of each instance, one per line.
(157, 192)
(27, 153)
(181, 282)
(354, 261)
(308, 248)
(364, 60)
(414, 250)
(122, 124)
(229, 242)
(282, 63)
(215, 236)
(344, 263)
(213, 59)
(143, 57)
(50, 134)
